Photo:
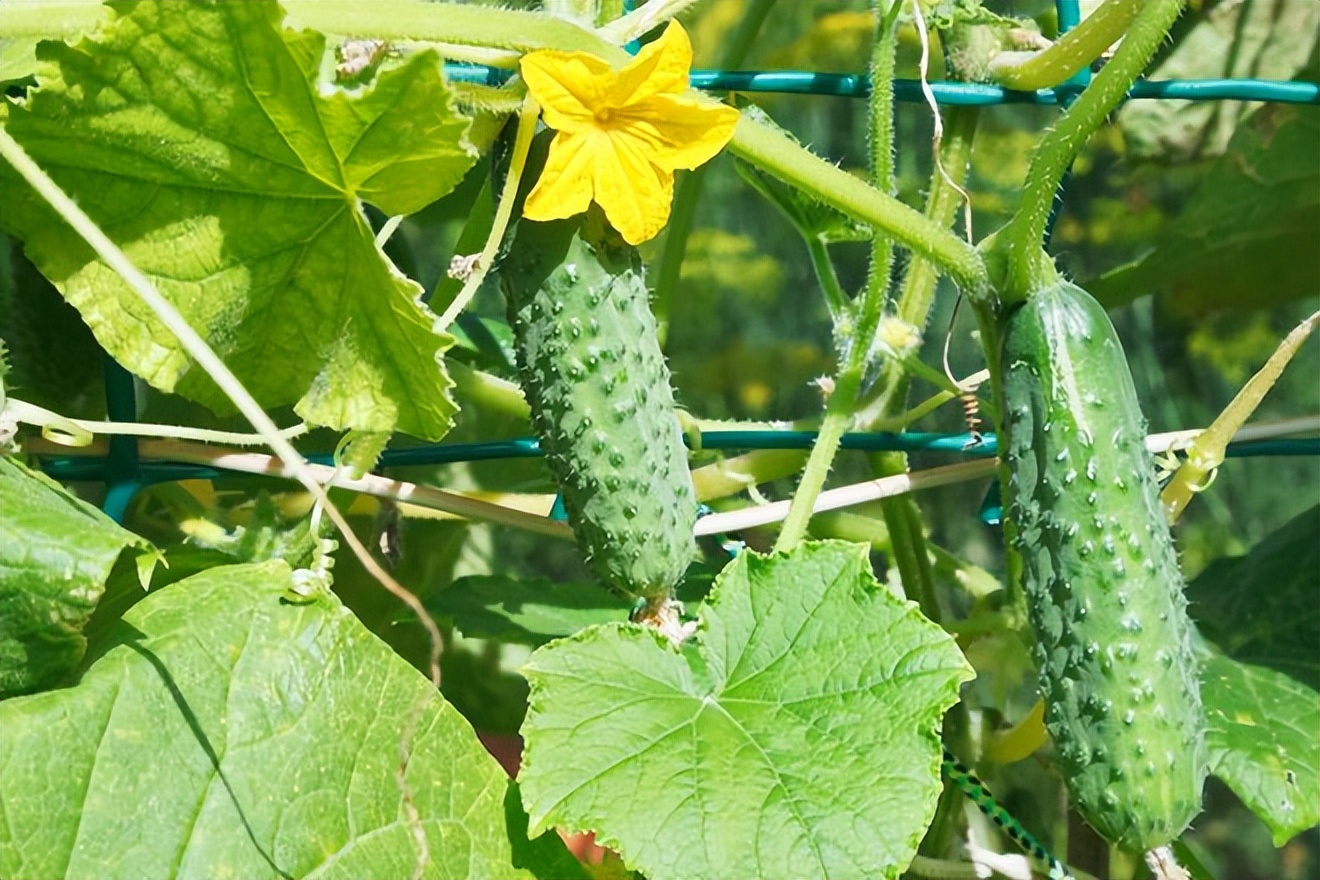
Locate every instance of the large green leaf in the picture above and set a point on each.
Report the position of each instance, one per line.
(70, 19)
(201, 137)
(1264, 608)
(1244, 239)
(1262, 708)
(525, 612)
(798, 738)
(1264, 39)
(58, 553)
(226, 732)
(1262, 732)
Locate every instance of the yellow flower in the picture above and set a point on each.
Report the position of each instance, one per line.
(621, 134)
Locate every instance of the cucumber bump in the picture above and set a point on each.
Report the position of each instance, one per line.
(1104, 592)
(592, 369)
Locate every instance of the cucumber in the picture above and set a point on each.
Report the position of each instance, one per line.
(1104, 592)
(597, 383)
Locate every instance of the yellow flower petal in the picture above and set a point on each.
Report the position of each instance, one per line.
(680, 131)
(634, 193)
(661, 66)
(620, 135)
(569, 86)
(565, 186)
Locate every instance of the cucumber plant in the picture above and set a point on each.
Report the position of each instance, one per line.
(1103, 587)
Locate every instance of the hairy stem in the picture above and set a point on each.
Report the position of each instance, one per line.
(858, 334)
(1207, 451)
(777, 154)
(1074, 50)
(459, 24)
(522, 142)
(1023, 239)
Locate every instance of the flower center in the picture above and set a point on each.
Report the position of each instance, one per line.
(603, 115)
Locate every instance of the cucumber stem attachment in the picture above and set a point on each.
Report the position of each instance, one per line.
(1021, 241)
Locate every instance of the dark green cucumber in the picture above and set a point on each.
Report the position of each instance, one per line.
(596, 380)
(1105, 595)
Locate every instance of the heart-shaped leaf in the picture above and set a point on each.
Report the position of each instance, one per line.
(797, 738)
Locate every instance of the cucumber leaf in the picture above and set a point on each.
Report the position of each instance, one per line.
(1262, 608)
(529, 612)
(202, 139)
(797, 737)
(1237, 243)
(267, 737)
(1259, 687)
(58, 553)
(1255, 39)
(1261, 733)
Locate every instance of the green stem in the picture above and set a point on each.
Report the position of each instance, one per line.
(1074, 50)
(917, 293)
(734, 475)
(1207, 452)
(522, 143)
(1022, 240)
(670, 265)
(491, 393)
(907, 533)
(858, 335)
(461, 24)
(911, 555)
(836, 300)
(880, 139)
(838, 417)
(777, 154)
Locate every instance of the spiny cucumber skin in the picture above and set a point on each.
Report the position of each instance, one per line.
(1105, 595)
(599, 390)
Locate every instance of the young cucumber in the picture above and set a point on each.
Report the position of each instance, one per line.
(1113, 641)
(597, 383)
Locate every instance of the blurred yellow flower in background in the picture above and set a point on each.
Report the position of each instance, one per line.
(621, 134)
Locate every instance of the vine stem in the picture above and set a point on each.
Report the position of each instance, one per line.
(487, 27)
(777, 154)
(293, 464)
(1028, 72)
(522, 142)
(1206, 452)
(838, 417)
(1022, 240)
(858, 330)
(73, 432)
